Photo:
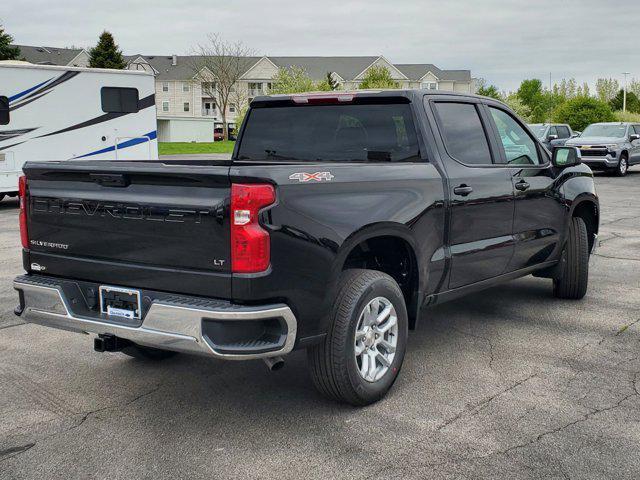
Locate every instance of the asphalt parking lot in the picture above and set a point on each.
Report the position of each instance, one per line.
(508, 383)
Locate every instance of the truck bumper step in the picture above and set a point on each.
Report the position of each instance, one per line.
(195, 325)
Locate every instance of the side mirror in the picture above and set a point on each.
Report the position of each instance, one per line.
(550, 138)
(575, 134)
(633, 137)
(566, 157)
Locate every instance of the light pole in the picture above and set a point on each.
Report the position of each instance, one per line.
(624, 95)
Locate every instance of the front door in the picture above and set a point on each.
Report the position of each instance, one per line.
(481, 194)
(539, 211)
(634, 154)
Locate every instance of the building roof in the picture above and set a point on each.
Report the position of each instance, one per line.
(316, 67)
(48, 55)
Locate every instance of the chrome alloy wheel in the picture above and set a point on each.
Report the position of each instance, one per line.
(376, 339)
(624, 165)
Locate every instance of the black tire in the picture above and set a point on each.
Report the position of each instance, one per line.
(574, 275)
(333, 365)
(623, 165)
(147, 353)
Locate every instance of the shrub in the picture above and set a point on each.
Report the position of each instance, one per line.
(580, 112)
(627, 116)
(378, 77)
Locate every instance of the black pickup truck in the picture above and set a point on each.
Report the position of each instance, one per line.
(339, 217)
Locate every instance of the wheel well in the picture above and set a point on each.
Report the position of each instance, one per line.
(588, 211)
(395, 257)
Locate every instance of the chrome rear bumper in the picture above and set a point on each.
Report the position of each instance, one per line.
(177, 327)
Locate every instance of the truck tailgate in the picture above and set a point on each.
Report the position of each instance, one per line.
(140, 224)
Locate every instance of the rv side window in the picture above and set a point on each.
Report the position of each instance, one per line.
(119, 100)
(4, 111)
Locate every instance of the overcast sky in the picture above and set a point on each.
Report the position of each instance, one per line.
(502, 41)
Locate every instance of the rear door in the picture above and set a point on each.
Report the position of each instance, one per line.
(539, 211)
(140, 224)
(481, 192)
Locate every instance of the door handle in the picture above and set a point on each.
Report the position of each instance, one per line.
(463, 190)
(522, 185)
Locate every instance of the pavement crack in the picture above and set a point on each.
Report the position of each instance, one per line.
(619, 220)
(626, 327)
(484, 339)
(12, 325)
(559, 429)
(475, 408)
(617, 258)
(13, 451)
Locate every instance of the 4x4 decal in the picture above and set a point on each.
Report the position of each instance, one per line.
(307, 177)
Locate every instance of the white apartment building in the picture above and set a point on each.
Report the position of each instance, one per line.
(186, 113)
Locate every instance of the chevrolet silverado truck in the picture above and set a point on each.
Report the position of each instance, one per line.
(552, 134)
(338, 219)
(612, 147)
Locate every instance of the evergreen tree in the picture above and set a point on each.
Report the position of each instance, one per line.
(333, 84)
(633, 104)
(7, 51)
(106, 54)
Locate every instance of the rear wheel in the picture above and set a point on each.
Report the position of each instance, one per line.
(146, 353)
(574, 276)
(623, 166)
(364, 349)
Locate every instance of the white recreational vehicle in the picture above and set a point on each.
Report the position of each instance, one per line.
(65, 113)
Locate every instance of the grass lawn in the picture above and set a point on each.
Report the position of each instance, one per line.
(178, 148)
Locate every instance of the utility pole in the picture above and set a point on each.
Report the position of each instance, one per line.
(624, 95)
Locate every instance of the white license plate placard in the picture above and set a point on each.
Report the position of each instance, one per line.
(120, 302)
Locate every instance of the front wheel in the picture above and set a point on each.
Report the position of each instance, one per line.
(623, 166)
(360, 358)
(574, 270)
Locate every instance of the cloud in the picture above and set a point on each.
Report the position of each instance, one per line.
(503, 41)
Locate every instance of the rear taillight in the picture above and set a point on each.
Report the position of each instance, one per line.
(250, 243)
(22, 193)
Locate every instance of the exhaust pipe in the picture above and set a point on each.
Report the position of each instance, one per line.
(274, 363)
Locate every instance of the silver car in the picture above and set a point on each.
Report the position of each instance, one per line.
(612, 147)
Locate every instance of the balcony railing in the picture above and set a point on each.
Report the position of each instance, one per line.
(208, 112)
(255, 92)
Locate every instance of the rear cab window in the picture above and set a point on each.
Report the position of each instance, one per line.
(463, 133)
(362, 131)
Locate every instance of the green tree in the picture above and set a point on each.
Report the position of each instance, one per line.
(582, 111)
(529, 92)
(606, 89)
(634, 86)
(379, 77)
(292, 80)
(7, 51)
(633, 104)
(106, 54)
(522, 110)
(489, 91)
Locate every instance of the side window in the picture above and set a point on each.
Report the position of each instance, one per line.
(4, 110)
(519, 147)
(636, 129)
(119, 100)
(463, 134)
(563, 132)
(552, 131)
